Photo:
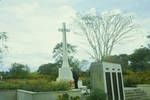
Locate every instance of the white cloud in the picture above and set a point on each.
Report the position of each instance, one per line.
(33, 29)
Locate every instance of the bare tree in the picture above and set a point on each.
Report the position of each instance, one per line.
(3, 46)
(104, 31)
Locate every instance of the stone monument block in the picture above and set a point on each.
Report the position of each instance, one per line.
(108, 78)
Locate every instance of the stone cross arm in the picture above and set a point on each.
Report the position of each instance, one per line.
(64, 29)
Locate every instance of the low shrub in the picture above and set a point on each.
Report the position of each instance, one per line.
(75, 98)
(86, 82)
(8, 86)
(59, 86)
(134, 78)
(36, 85)
(40, 76)
(66, 96)
(97, 95)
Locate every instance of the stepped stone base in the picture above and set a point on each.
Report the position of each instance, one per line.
(65, 74)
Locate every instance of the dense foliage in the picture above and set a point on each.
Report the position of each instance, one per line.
(34, 85)
(136, 70)
(138, 61)
(18, 71)
(49, 69)
(58, 50)
(97, 95)
(133, 78)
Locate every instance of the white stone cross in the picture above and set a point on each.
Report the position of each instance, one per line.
(65, 55)
(65, 72)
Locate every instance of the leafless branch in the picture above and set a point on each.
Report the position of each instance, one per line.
(104, 32)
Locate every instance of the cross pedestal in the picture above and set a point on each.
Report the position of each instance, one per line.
(65, 72)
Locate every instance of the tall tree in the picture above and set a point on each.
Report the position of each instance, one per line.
(140, 59)
(3, 46)
(104, 31)
(49, 69)
(58, 54)
(19, 70)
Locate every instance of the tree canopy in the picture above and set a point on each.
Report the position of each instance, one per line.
(3, 46)
(104, 31)
(58, 55)
(74, 63)
(19, 70)
(49, 69)
(140, 59)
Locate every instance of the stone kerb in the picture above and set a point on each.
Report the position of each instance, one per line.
(53, 95)
(135, 94)
(25, 95)
(8, 95)
(145, 88)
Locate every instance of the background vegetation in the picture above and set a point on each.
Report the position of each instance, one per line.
(136, 70)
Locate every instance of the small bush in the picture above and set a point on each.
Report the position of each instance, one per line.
(59, 86)
(86, 82)
(36, 85)
(65, 96)
(97, 95)
(75, 98)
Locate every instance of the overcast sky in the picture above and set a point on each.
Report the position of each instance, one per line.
(32, 26)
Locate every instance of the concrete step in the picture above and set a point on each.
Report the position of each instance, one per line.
(135, 94)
